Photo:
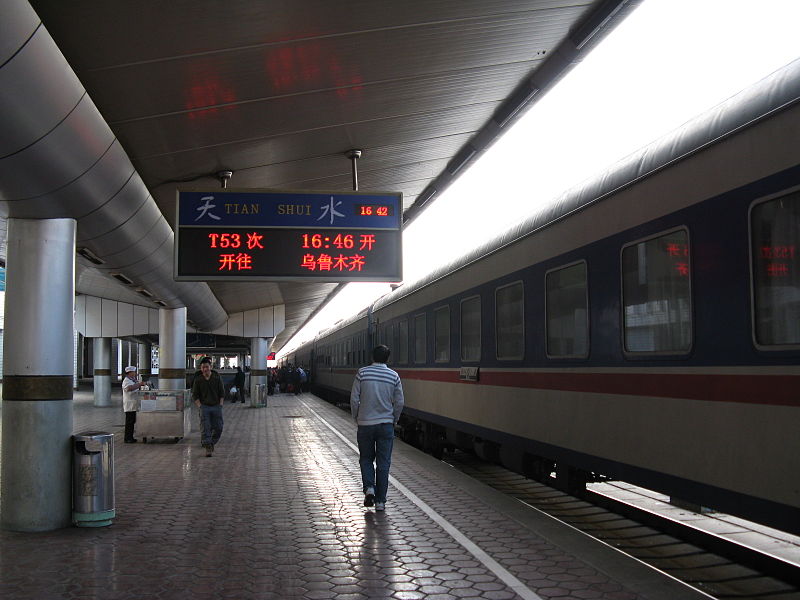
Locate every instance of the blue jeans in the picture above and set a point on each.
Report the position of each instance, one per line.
(375, 445)
(212, 423)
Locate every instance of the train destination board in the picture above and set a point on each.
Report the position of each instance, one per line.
(275, 235)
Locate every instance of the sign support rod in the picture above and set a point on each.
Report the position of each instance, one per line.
(354, 155)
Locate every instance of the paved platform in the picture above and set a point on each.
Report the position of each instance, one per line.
(277, 513)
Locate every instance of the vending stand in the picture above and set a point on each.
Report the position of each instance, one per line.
(163, 414)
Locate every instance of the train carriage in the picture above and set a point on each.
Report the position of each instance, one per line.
(645, 327)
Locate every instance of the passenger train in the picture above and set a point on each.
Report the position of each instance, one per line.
(645, 327)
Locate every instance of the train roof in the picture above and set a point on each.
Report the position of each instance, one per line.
(344, 322)
(773, 93)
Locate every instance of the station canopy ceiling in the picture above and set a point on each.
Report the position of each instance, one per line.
(278, 92)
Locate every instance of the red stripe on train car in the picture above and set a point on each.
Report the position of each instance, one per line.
(782, 390)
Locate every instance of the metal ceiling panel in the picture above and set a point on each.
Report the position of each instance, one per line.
(276, 92)
(346, 64)
(411, 137)
(308, 112)
(131, 32)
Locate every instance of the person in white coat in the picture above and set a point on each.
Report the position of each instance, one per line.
(130, 401)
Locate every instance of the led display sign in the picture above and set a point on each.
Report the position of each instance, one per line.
(274, 235)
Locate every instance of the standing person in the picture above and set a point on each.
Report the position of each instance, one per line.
(295, 379)
(238, 381)
(376, 402)
(208, 394)
(130, 401)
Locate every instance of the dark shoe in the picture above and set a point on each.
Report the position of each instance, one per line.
(380, 506)
(209, 450)
(369, 497)
(130, 441)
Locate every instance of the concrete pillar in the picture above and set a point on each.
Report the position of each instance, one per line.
(172, 348)
(36, 493)
(258, 366)
(101, 351)
(78, 360)
(145, 359)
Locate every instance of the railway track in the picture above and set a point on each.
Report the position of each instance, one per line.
(708, 562)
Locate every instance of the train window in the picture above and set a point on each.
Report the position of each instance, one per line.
(656, 294)
(471, 329)
(567, 314)
(775, 235)
(510, 321)
(441, 321)
(419, 339)
(402, 342)
(391, 341)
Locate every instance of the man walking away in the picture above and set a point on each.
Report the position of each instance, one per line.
(208, 393)
(376, 402)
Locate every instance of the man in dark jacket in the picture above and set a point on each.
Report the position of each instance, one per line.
(208, 394)
(238, 382)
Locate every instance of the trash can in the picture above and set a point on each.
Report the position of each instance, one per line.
(93, 479)
(259, 398)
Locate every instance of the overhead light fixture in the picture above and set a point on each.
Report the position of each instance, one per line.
(426, 196)
(122, 278)
(595, 23)
(144, 292)
(461, 159)
(90, 256)
(516, 102)
(160, 303)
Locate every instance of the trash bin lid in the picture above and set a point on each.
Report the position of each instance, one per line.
(88, 436)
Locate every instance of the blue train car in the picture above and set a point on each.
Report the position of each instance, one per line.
(645, 327)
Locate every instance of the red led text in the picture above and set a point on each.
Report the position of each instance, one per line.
(235, 262)
(680, 255)
(772, 255)
(773, 252)
(326, 262)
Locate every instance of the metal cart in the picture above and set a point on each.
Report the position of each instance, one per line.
(163, 414)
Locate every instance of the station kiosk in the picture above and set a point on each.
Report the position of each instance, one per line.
(163, 414)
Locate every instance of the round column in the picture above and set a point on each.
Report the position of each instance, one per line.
(101, 354)
(145, 359)
(36, 493)
(172, 348)
(258, 366)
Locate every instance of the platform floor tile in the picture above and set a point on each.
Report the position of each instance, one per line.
(277, 513)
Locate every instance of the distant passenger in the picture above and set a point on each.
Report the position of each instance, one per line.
(208, 393)
(238, 382)
(376, 402)
(130, 401)
(297, 378)
(304, 379)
